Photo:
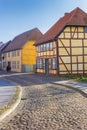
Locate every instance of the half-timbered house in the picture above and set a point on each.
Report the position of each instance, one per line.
(63, 48)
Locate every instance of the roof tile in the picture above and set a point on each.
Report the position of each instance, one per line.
(19, 41)
(75, 18)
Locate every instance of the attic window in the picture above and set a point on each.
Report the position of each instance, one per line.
(85, 29)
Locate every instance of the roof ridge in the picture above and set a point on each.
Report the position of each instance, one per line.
(77, 17)
(74, 12)
(20, 40)
(25, 32)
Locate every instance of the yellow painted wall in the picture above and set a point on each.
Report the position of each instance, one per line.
(52, 71)
(80, 29)
(40, 71)
(77, 49)
(65, 41)
(28, 53)
(63, 68)
(27, 57)
(11, 59)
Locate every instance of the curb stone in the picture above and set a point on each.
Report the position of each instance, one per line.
(84, 93)
(13, 107)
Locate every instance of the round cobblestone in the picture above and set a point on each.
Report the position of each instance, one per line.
(49, 107)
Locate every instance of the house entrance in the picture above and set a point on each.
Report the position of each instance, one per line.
(47, 66)
(8, 66)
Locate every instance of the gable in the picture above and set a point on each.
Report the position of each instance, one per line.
(77, 17)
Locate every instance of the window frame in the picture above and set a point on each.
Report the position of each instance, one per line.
(85, 29)
(54, 63)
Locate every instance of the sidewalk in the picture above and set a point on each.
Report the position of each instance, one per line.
(74, 84)
(7, 90)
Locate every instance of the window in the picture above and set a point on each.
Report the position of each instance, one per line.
(85, 29)
(18, 53)
(14, 64)
(18, 64)
(13, 53)
(44, 63)
(4, 55)
(44, 47)
(4, 64)
(47, 46)
(38, 48)
(50, 61)
(8, 54)
(39, 63)
(54, 64)
(41, 48)
(51, 46)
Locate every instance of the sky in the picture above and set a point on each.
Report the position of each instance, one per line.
(18, 16)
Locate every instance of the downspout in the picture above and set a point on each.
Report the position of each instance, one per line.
(57, 55)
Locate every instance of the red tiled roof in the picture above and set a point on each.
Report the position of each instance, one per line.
(76, 17)
(19, 41)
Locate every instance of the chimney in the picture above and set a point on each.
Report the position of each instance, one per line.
(66, 13)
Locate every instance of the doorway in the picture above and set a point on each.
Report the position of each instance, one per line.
(47, 67)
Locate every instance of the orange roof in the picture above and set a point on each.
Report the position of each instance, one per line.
(77, 17)
(19, 41)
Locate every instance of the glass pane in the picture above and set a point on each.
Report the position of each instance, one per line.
(85, 30)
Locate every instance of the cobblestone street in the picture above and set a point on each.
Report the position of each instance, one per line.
(46, 106)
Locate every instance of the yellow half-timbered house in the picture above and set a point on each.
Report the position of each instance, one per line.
(63, 48)
(20, 54)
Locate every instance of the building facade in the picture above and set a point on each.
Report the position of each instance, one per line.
(20, 54)
(13, 59)
(63, 48)
(2, 47)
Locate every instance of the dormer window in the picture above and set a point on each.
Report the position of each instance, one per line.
(85, 29)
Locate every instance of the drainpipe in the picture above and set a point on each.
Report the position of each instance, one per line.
(57, 55)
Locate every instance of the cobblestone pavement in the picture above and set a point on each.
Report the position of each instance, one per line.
(48, 107)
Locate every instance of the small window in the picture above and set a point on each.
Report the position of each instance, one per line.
(54, 63)
(39, 63)
(41, 48)
(51, 46)
(44, 47)
(4, 64)
(18, 64)
(4, 55)
(85, 29)
(13, 53)
(38, 48)
(14, 64)
(47, 47)
(8, 54)
(18, 53)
